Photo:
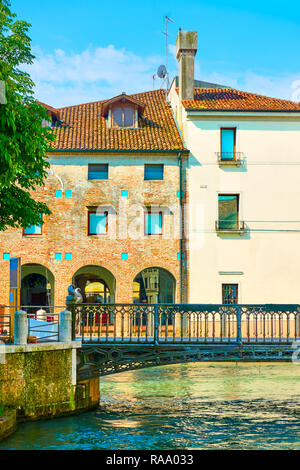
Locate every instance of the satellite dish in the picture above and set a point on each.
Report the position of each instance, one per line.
(162, 71)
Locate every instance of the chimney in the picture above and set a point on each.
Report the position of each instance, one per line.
(186, 48)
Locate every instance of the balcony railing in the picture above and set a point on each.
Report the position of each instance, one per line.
(230, 158)
(224, 226)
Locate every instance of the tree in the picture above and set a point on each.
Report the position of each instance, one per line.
(23, 139)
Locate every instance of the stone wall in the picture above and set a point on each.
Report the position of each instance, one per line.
(8, 423)
(39, 381)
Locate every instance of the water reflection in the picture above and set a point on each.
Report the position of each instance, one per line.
(187, 406)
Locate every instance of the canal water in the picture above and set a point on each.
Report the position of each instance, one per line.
(186, 406)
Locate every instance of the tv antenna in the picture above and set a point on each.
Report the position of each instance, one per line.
(162, 71)
(153, 78)
(167, 19)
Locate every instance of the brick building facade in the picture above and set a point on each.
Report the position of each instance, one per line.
(115, 192)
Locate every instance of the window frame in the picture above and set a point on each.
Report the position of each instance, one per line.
(91, 211)
(234, 148)
(238, 196)
(123, 106)
(146, 224)
(98, 164)
(147, 165)
(237, 292)
(34, 234)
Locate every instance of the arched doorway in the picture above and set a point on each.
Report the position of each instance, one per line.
(154, 285)
(37, 285)
(97, 284)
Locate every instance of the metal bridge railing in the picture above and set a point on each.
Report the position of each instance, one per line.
(42, 323)
(184, 323)
(161, 323)
(5, 325)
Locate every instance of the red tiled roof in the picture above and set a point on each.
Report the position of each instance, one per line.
(49, 108)
(85, 127)
(122, 98)
(229, 99)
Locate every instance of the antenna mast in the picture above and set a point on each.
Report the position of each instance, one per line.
(166, 34)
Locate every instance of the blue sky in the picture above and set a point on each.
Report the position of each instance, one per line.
(88, 49)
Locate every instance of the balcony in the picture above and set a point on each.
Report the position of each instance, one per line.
(230, 158)
(225, 227)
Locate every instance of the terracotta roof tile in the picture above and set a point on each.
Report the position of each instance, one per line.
(49, 108)
(229, 99)
(84, 127)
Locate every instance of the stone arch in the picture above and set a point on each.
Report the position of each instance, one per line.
(37, 285)
(154, 285)
(97, 284)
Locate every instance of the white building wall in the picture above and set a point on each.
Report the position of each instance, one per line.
(264, 262)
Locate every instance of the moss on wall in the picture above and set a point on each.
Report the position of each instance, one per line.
(8, 423)
(38, 384)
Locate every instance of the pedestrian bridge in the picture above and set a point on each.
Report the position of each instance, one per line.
(121, 337)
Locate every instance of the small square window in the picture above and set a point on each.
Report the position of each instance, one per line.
(154, 172)
(33, 230)
(68, 193)
(58, 193)
(229, 294)
(58, 256)
(124, 256)
(6, 256)
(97, 223)
(153, 223)
(98, 171)
(68, 256)
(124, 193)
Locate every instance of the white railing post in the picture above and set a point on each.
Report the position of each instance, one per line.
(65, 326)
(20, 327)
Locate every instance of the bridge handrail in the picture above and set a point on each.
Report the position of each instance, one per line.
(186, 323)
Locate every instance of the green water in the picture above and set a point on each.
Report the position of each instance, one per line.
(187, 406)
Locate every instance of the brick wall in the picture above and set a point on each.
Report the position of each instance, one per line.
(65, 230)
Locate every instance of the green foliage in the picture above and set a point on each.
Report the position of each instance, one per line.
(23, 139)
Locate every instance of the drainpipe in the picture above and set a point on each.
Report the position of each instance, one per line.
(181, 226)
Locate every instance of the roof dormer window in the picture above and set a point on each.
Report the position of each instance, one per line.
(53, 116)
(123, 116)
(122, 112)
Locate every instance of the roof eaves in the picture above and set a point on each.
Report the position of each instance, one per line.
(62, 150)
(121, 98)
(242, 110)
